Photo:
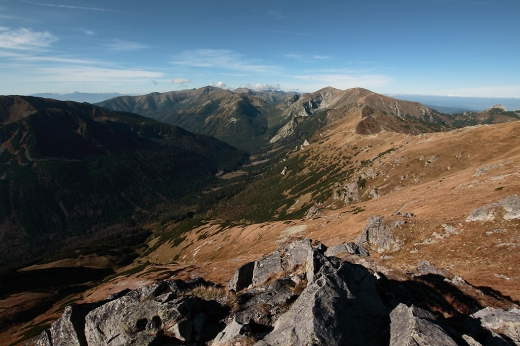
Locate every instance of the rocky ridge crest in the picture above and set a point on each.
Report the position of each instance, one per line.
(298, 295)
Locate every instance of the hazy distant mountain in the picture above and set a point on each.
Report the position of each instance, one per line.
(461, 103)
(79, 96)
(70, 170)
(243, 119)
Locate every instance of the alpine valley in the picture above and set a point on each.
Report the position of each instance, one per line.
(218, 217)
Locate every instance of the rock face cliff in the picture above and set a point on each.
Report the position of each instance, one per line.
(297, 295)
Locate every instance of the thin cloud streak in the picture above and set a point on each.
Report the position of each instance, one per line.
(221, 58)
(25, 39)
(73, 7)
(125, 45)
(261, 29)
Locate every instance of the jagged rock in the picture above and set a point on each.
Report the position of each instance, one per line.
(122, 321)
(511, 205)
(335, 249)
(286, 131)
(68, 329)
(351, 248)
(500, 321)
(348, 193)
(44, 339)
(243, 277)
(239, 326)
(377, 234)
(296, 253)
(341, 306)
(266, 266)
(264, 308)
(315, 260)
(312, 212)
(425, 268)
(415, 326)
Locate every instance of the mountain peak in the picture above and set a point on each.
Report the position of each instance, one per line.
(497, 106)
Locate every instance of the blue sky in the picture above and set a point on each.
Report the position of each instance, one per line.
(434, 47)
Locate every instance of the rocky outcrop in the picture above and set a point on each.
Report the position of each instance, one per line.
(286, 131)
(350, 248)
(348, 193)
(500, 321)
(378, 235)
(414, 326)
(303, 295)
(340, 306)
(243, 277)
(509, 207)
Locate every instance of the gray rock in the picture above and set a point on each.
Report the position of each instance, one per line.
(348, 193)
(237, 327)
(340, 307)
(44, 339)
(511, 205)
(485, 213)
(377, 234)
(500, 321)
(351, 248)
(336, 249)
(425, 268)
(68, 329)
(243, 277)
(418, 327)
(315, 260)
(470, 341)
(266, 267)
(123, 321)
(404, 213)
(296, 253)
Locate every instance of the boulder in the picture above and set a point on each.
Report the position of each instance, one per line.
(378, 235)
(500, 321)
(296, 253)
(340, 306)
(351, 248)
(511, 206)
(120, 321)
(266, 267)
(415, 326)
(243, 277)
(485, 213)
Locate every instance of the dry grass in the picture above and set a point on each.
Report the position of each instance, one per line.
(219, 294)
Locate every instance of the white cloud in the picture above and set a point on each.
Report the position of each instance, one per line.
(181, 81)
(91, 74)
(87, 32)
(261, 87)
(221, 58)
(486, 91)
(347, 80)
(125, 45)
(72, 7)
(25, 39)
(308, 57)
(220, 85)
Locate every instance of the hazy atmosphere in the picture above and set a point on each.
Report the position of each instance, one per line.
(433, 47)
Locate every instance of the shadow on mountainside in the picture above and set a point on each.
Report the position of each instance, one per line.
(451, 305)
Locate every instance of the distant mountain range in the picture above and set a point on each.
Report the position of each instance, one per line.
(459, 104)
